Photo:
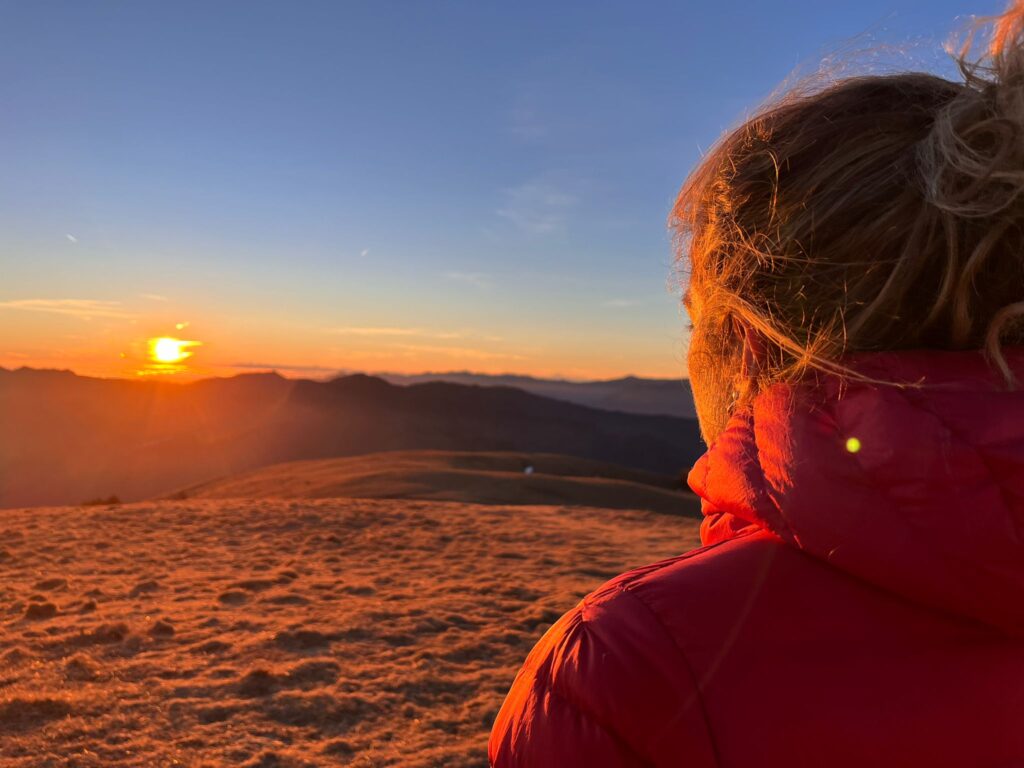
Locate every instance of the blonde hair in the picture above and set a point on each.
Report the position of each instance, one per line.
(881, 212)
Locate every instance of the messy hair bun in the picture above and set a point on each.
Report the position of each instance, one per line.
(972, 163)
(880, 212)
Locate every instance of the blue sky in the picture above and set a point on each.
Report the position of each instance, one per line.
(382, 186)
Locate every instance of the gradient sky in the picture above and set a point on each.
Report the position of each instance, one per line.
(382, 186)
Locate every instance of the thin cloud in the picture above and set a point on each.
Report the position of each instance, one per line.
(365, 252)
(393, 332)
(526, 113)
(84, 309)
(537, 208)
(526, 123)
(153, 296)
(375, 331)
(620, 303)
(71, 238)
(472, 278)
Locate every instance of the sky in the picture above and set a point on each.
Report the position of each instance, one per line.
(380, 186)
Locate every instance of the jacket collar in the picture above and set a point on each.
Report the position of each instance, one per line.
(918, 490)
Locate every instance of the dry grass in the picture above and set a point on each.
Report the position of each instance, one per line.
(471, 477)
(286, 633)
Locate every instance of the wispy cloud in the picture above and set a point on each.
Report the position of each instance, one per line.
(71, 238)
(375, 331)
(538, 207)
(153, 296)
(526, 123)
(620, 303)
(365, 252)
(478, 279)
(386, 332)
(85, 309)
(529, 110)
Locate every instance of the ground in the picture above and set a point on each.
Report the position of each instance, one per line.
(471, 477)
(287, 632)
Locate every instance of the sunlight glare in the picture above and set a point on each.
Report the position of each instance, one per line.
(166, 349)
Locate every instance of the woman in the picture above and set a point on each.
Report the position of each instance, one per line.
(856, 265)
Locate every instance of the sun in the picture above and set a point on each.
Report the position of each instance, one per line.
(166, 349)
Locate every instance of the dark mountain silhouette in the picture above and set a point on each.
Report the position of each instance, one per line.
(66, 438)
(668, 397)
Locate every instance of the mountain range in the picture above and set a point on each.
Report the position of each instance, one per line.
(65, 439)
(666, 397)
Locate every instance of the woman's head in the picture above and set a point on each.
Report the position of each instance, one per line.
(879, 213)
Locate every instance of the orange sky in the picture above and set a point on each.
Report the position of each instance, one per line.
(112, 339)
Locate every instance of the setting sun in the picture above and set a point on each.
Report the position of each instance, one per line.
(169, 350)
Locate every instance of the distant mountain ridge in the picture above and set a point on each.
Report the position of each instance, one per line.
(66, 438)
(631, 394)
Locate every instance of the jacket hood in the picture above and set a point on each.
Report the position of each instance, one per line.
(918, 490)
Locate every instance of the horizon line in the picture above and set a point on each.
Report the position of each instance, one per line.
(330, 374)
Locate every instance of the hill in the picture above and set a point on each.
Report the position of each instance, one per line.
(66, 438)
(668, 397)
(287, 633)
(481, 477)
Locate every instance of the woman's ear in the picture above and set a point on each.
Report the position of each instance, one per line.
(755, 354)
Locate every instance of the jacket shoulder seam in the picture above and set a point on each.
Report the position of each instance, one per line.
(698, 698)
(571, 701)
(644, 571)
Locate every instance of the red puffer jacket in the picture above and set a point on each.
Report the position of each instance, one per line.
(857, 602)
